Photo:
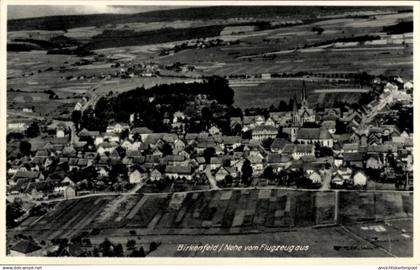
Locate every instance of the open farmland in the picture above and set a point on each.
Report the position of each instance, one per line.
(272, 91)
(292, 49)
(216, 213)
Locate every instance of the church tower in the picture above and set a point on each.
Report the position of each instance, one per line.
(303, 95)
(295, 111)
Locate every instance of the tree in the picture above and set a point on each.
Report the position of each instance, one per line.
(124, 134)
(267, 143)
(131, 244)
(153, 246)
(246, 172)
(76, 117)
(118, 250)
(33, 130)
(247, 135)
(228, 180)
(166, 149)
(283, 106)
(322, 151)
(25, 148)
(208, 153)
(121, 151)
(268, 172)
(106, 248)
(138, 253)
(136, 137)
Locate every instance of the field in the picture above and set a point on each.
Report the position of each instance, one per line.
(296, 217)
(291, 49)
(272, 91)
(222, 211)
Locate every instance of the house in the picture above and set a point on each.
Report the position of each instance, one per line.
(157, 153)
(345, 173)
(374, 162)
(281, 118)
(354, 159)
(69, 151)
(68, 182)
(332, 114)
(179, 172)
(350, 147)
(155, 175)
(143, 132)
(315, 177)
(175, 160)
(68, 192)
(105, 147)
(253, 121)
(21, 174)
(61, 132)
(136, 177)
(235, 123)
(278, 162)
(179, 146)
(111, 137)
(222, 172)
(25, 247)
(360, 179)
(337, 180)
(214, 131)
(256, 163)
(16, 125)
(270, 122)
(200, 162)
(338, 160)
(302, 150)
(231, 142)
(277, 145)
(264, 132)
(39, 190)
(117, 128)
(178, 117)
(315, 135)
(202, 145)
(215, 163)
(329, 125)
(85, 134)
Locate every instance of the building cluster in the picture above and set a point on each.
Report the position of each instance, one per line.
(332, 147)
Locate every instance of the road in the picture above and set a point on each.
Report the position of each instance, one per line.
(326, 180)
(93, 97)
(212, 181)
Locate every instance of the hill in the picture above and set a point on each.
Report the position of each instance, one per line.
(195, 13)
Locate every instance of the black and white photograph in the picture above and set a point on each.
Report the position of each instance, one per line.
(243, 130)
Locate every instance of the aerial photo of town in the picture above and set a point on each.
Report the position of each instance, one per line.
(210, 131)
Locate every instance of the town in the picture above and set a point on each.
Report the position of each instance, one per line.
(119, 170)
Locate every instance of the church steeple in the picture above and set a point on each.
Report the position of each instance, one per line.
(295, 106)
(303, 97)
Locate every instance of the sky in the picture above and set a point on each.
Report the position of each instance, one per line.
(17, 12)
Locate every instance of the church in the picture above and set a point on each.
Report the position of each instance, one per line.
(304, 113)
